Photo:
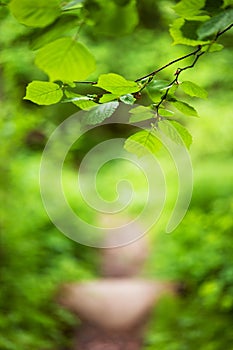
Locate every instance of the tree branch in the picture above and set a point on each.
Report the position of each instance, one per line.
(151, 75)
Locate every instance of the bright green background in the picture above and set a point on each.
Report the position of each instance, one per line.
(36, 258)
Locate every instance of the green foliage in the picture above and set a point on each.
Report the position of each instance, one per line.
(117, 84)
(37, 13)
(74, 4)
(189, 8)
(141, 113)
(184, 108)
(100, 113)
(215, 24)
(227, 2)
(156, 88)
(65, 59)
(83, 102)
(143, 142)
(196, 255)
(43, 93)
(179, 37)
(193, 89)
(176, 132)
(35, 258)
(128, 99)
(111, 18)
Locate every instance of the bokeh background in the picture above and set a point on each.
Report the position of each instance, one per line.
(36, 258)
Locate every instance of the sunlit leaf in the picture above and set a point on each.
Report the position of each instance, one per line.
(212, 48)
(176, 132)
(178, 36)
(74, 4)
(64, 24)
(65, 59)
(185, 108)
(116, 84)
(81, 101)
(98, 114)
(165, 112)
(141, 113)
(189, 8)
(128, 99)
(108, 97)
(36, 13)
(43, 92)
(192, 89)
(142, 143)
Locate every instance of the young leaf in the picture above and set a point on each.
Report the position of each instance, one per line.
(185, 108)
(72, 5)
(141, 113)
(108, 97)
(65, 59)
(158, 85)
(189, 8)
(165, 112)
(212, 47)
(156, 88)
(64, 24)
(128, 99)
(142, 143)
(116, 84)
(178, 36)
(98, 114)
(81, 101)
(36, 13)
(43, 92)
(176, 132)
(215, 24)
(192, 89)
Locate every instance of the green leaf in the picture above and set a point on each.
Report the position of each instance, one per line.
(100, 113)
(81, 101)
(185, 108)
(73, 5)
(116, 84)
(108, 97)
(212, 47)
(141, 113)
(178, 36)
(176, 132)
(66, 24)
(36, 13)
(65, 59)
(215, 24)
(192, 89)
(142, 143)
(43, 92)
(128, 99)
(165, 112)
(156, 88)
(189, 8)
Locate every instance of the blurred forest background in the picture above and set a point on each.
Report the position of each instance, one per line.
(36, 258)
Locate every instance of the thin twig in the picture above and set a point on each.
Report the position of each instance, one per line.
(152, 74)
(169, 64)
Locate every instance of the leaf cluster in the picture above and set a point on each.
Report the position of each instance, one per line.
(68, 62)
